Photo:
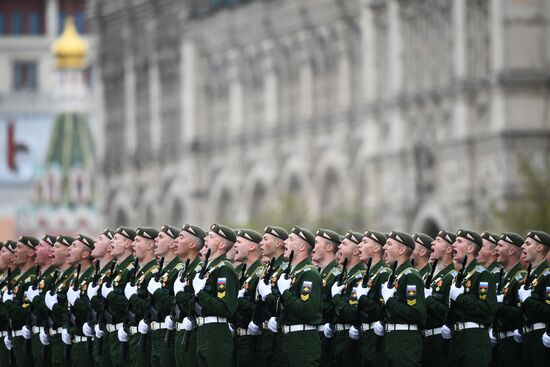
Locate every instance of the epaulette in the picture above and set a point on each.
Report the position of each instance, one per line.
(479, 269)
(454, 273)
(335, 271)
(283, 266)
(407, 271)
(198, 268)
(383, 269)
(359, 274)
(259, 270)
(546, 272)
(179, 266)
(519, 275)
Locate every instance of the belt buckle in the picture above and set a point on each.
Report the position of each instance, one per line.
(286, 329)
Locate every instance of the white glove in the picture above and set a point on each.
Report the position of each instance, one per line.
(254, 329)
(31, 293)
(361, 291)
(153, 286)
(354, 333)
(273, 325)
(98, 332)
(179, 286)
(143, 328)
(187, 324)
(73, 295)
(523, 293)
(88, 330)
(500, 298)
(170, 324)
(336, 289)
(122, 336)
(387, 293)
(129, 290)
(378, 328)
(264, 289)
(283, 284)
(518, 337)
(8, 343)
(106, 290)
(492, 337)
(456, 291)
(198, 283)
(51, 300)
(43, 338)
(92, 291)
(231, 330)
(327, 330)
(546, 340)
(428, 292)
(26, 332)
(241, 293)
(66, 337)
(8, 296)
(446, 333)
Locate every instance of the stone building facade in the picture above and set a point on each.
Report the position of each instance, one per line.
(414, 112)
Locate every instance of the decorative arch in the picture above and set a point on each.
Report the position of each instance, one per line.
(429, 219)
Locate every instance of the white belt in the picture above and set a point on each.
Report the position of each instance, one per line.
(210, 320)
(242, 332)
(397, 327)
(110, 327)
(300, 327)
(320, 328)
(37, 329)
(533, 327)
(79, 339)
(17, 333)
(157, 325)
(459, 326)
(431, 332)
(179, 326)
(367, 327)
(53, 332)
(3, 333)
(342, 327)
(504, 334)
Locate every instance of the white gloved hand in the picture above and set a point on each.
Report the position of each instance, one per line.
(179, 286)
(254, 329)
(26, 333)
(241, 293)
(43, 338)
(129, 290)
(50, 300)
(492, 337)
(88, 330)
(106, 290)
(327, 330)
(73, 295)
(122, 335)
(31, 293)
(66, 337)
(264, 289)
(446, 333)
(361, 291)
(378, 328)
(143, 328)
(8, 342)
(546, 340)
(231, 330)
(387, 293)
(336, 289)
(8, 296)
(283, 283)
(170, 324)
(187, 324)
(198, 283)
(523, 293)
(354, 333)
(500, 298)
(92, 290)
(428, 292)
(153, 286)
(456, 291)
(273, 325)
(98, 332)
(518, 337)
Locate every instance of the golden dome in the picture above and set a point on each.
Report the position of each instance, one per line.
(70, 48)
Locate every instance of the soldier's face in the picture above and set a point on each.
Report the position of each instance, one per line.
(42, 253)
(140, 247)
(292, 243)
(162, 244)
(21, 253)
(367, 248)
(486, 252)
(59, 254)
(503, 252)
(101, 246)
(391, 250)
(320, 250)
(347, 248)
(460, 247)
(439, 246)
(268, 245)
(529, 249)
(6, 258)
(241, 249)
(182, 243)
(118, 245)
(74, 252)
(212, 242)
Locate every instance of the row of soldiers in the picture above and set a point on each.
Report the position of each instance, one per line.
(184, 297)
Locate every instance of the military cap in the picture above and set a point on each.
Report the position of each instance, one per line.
(87, 241)
(403, 238)
(127, 232)
(64, 240)
(171, 231)
(249, 235)
(29, 241)
(224, 231)
(49, 239)
(10, 245)
(450, 237)
(304, 234)
(330, 235)
(470, 236)
(354, 237)
(376, 236)
(194, 230)
(109, 233)
(489, 236)
(541, 237)
(423, 240)
(512, 238)
(147, 232)
(277, 232)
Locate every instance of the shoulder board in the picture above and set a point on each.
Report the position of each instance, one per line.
(179, 266)
(546, 272)
(407, 271)
(454, 273)
(198, 268)
(283, 266)
(479, 269)
(336, 271)
(383, 269)
(519, 276)
(359, 275)
(259, 270)
(307, 268)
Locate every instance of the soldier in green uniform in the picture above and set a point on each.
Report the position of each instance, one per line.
(473, 305)
(324, 255)
(508, 315)
(369, 307)
(437, 299)
(56, 301)
(421, 254)
(535, 299)
(487, 256)
(8, 258)
(188, 245)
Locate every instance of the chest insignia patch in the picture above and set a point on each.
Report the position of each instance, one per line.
(305, 291)
(411, 295)
(221, 287)
(483, 288)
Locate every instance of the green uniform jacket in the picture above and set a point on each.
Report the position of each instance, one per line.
(302, 301)
(138, 302)
(219, 295)
(39, 308)
(508, 315)
(116, 301)
(18, 308)
(408, 305)
(371, 305)
(3, 308)
(163, 299)
(97, 302)
(425, 271)
(60, 312)
(329, 276)
(345, 304)
(81, 308)
(272, 299)
(537, 307)
(437, 304)
(183, 299)
(247, 303)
